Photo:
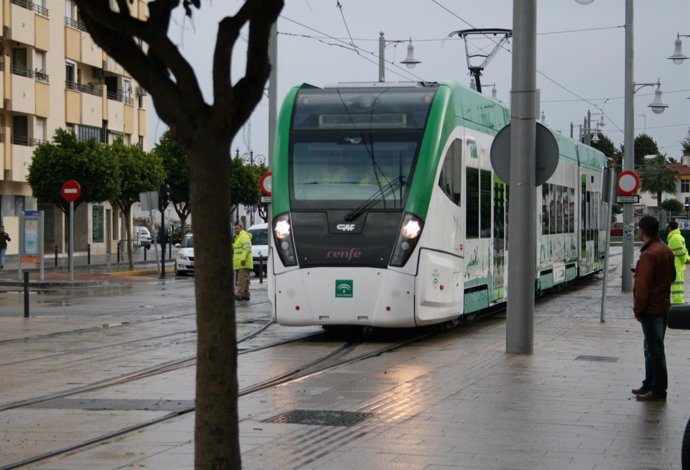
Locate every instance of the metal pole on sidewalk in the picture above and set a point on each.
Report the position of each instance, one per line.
(71, 240)
(522, 210)
(611, 176)
(26, 294)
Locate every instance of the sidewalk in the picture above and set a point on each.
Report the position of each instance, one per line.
(88, 269)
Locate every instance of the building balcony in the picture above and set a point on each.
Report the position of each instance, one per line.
(22, 153)
(41, 10)
(25, 20)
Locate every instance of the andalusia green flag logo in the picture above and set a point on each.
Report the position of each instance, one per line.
(343, 288)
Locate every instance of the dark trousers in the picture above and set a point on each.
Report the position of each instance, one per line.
(656, 376)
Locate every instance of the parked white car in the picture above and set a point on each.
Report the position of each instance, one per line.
(184, 261)
(142, 237)
(259, 234)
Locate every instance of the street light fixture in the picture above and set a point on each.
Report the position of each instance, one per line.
(409, 61)
(658, 106)
(678, 57)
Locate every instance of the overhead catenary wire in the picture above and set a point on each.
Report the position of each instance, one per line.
(364, 55)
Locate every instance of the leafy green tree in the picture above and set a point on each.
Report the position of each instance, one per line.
(176, 166)
(206, 132)
(137, 171)
(644, 145)
(66, 158)
(657, 178)
(607, 147)
(244, 183)
(674, 206)
(686, 146)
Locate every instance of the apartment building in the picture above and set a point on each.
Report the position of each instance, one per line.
(53, 75)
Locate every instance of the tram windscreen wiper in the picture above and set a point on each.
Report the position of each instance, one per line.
(379, 195)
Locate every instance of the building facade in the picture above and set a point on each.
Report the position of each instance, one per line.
(53, 75)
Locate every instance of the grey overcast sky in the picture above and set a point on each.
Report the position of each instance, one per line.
(580, 56)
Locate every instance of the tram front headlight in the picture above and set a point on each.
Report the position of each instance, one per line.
(282, 228)
(411, 228)
(285, 244)
(410, 232)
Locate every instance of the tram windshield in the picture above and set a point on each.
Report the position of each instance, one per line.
(355, 147)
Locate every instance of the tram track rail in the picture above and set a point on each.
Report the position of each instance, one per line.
(89, 329)
(339, 356)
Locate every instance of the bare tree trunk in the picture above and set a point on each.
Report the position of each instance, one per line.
(216, 428)
(128, 231)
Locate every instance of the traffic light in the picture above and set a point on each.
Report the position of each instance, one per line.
(164, 196)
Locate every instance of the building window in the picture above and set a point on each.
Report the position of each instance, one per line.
(97, 232)
(89, 132)
(40, 130)
(20, 130)
(70, 75)
(685, 186)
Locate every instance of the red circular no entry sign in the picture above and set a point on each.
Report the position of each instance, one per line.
(70, 190)
(628, 183)
(265, 183)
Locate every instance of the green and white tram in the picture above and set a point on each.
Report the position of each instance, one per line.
(386, 211)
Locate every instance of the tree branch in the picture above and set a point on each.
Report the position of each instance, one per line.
(115, 34)
(244, 96)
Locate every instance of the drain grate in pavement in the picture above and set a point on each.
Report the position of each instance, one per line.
(320, 417)
(114, 404)
(597, 358)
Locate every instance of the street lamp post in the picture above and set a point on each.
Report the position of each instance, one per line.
(658, 106)
(409, 61)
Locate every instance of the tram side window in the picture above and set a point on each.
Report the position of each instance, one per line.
(485, 210)
(450, 179)
(571, 209)
(545, 195)
(472, 211)
(558, 209)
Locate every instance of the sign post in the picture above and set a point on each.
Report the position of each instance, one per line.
(628, 184)
(70, 191)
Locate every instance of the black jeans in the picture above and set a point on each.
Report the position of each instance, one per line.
(656, 376)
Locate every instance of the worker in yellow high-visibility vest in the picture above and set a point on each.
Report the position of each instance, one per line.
(676, 242)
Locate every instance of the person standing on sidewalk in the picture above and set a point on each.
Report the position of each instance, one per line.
(654, 273)
(676, 242)
(243, 262)
(4, 238)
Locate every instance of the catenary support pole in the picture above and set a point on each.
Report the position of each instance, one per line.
(522, 206)
(629, 148)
